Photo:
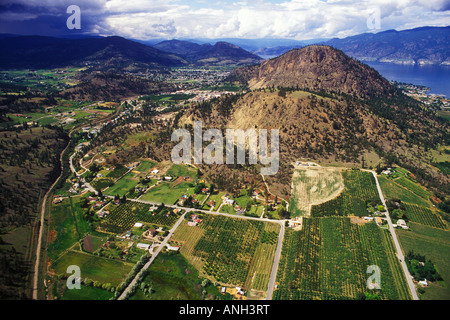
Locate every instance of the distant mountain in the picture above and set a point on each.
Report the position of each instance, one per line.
(48, 52)
(275, 51)
(221, 53)
(182, 48)
(426, 45)
(317, 68)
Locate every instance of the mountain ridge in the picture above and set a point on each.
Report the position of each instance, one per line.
(49, 52)
(220, 53)
(422, 46)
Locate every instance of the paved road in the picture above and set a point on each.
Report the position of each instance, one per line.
(400, 256)
(72, 168)
(276, 261)
(153, 257)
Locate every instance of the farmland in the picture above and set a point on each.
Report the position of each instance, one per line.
(359, 189)
(424, 216)
(93, 267)
(69, 226)
(434, 243)
(400, 185)
(172, 277)
(313, 186)
(328, 259)
(234, 252)
(123, 217)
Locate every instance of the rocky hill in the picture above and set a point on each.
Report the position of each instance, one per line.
(353, 117)
(317, 68)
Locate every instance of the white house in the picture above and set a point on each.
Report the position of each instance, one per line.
(227, 200)
(143, 246)
(138, 225)
(424, 283)
(172, 248)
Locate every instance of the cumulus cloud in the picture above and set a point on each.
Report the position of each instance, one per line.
(296, 19)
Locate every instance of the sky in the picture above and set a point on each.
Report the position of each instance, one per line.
(251, 19)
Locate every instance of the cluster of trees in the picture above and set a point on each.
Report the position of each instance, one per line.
(420, 268)
(136, 269)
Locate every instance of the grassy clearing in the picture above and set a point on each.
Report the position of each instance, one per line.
(168, 192)
(87, 293)
(178, 170)
(68, 226)
(94, 267)
(123, 186)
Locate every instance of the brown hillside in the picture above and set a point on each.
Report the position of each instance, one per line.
(328, 130)
(317, 68)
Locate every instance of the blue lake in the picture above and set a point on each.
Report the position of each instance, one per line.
(435, 77)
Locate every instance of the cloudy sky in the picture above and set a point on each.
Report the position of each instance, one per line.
(251, 19)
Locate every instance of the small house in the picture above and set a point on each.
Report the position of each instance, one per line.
(153, 232)
(378, 221)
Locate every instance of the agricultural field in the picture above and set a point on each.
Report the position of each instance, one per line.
(433, 243)
(173, 277)
(328, 260)
(234, 252)
(93, 267)
(360, 189)
(424, 216)
(123, 217)
(404, 189)
(313, 186)
(414, 197)
(145, 166)
(68, 226)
